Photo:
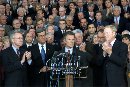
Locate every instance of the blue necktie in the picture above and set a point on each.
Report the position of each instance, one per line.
(99, 23)
(43, 54)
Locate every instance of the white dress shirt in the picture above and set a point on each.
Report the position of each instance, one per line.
(28, 45)
(40, 47)
(70, 49)
(116, 19)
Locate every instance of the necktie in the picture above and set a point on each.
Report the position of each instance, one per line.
(18, 52)
(68, 59)
(43, 54)
(99, 23)
(77, 47)
(116, 22)
(125, 10)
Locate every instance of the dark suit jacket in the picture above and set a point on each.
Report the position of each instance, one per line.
(122, 24)
(103, 23)
(25, 47)
(85, 58)
(123, 11)
(114, 66)
(1, 70)
(8, 28)
(39, 79)
(15, 72)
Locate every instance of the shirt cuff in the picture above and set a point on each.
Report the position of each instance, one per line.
(29, 61)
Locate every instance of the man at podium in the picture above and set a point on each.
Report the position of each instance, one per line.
(73, 54)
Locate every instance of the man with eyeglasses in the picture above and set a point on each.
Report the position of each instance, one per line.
(15, 61)
(17, 26)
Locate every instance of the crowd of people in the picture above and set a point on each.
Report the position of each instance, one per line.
(33, 31)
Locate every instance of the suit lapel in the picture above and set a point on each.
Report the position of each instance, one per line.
(37, 49)
(63, 50)
(47, 51)
(13, 53)
(115, 45)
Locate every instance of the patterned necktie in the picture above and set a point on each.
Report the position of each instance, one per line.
(116, 22)
(18, 52)
(43, 54)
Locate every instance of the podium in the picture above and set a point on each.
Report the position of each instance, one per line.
(65, 67)
(69, 80)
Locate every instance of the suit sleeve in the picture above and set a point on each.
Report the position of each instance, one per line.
(9, 65)
(121, 57)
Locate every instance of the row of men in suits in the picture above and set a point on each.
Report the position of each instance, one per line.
(32, 63)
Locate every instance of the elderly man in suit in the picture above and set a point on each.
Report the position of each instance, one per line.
(15, 61)
(113, 58)
(84, 47)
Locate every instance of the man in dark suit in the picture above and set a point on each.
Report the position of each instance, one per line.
(120, 22)
(28, 22)
(15, 62)
(17, 27)
(125, 8)
(99, 20)
(62, 15)
(113, 58)
(85, 46)
(85, 57)
(41, 53)
(3, 22)
(28, 41)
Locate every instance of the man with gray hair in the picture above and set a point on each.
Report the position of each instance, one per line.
(113, 58)
(84, 47)
(119, 21)
(62, 14)
(15, 62)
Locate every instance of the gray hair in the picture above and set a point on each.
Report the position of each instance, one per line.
(69, 17)
(117, 7)
(78, 31)
(21, 8)
(12, 34)
(112, 27)
(49, 34)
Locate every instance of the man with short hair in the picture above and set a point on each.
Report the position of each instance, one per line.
(28, 41)
(119, 21)
(3, 22)
(17, 26)
(85, 57)
(113, 58)
(15, 62)
(2, 9)
(41, 53)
